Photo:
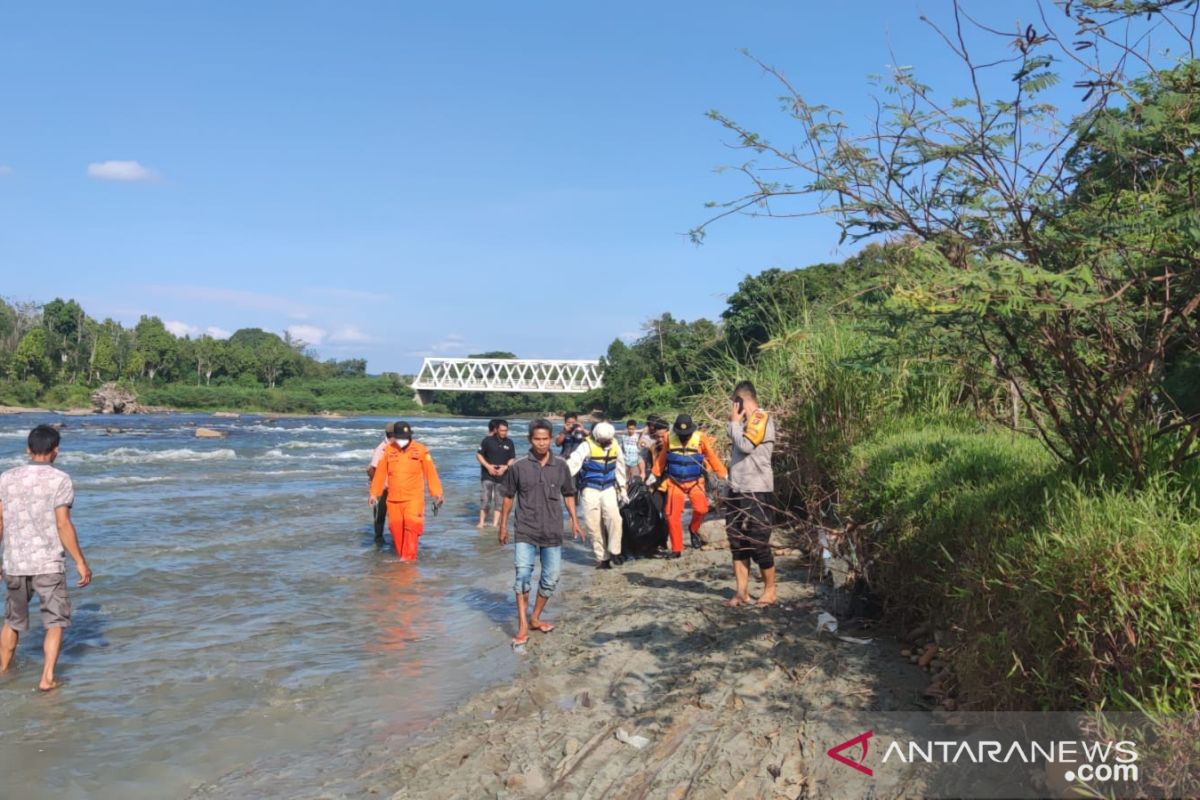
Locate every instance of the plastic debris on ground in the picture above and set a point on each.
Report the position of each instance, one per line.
(633, 740)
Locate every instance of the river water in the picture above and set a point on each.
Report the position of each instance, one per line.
(240, 609)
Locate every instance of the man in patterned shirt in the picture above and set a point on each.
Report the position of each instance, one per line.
(35, 527)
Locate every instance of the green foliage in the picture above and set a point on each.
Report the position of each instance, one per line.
(67, 395)
(672, 360)
(983, 533)
(56, 354)
(1058, 252)
(31, 360)
(156, 347)
(19, 392)
(378, 395)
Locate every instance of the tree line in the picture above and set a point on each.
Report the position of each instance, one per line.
(58, 344)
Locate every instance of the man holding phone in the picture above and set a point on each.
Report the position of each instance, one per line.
(571, 436)
(748, 515)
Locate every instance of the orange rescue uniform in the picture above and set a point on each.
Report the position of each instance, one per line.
(406, 473)
(679, 491)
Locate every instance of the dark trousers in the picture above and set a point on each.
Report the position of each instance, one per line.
(748, 519)
(381, 515)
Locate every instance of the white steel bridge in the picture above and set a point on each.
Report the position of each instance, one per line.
(560, 376)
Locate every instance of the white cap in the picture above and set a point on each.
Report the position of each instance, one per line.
(603, 431)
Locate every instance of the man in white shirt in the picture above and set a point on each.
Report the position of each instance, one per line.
(35, 529)
(599, 464)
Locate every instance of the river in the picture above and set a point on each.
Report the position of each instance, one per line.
(240, 609)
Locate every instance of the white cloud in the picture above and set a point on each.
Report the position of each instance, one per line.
(128, 171)
(184, 329)
(5, 170)
(309, 334)
(181, 328)
(453, 345)
(349, 334)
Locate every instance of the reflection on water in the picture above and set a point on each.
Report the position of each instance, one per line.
(240, 608)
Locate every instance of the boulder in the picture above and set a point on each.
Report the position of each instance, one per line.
(227, 414)
(209, 433)
(712, 533)
(112, 398)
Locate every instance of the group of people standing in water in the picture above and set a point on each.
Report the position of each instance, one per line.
(676, 462)
(671, 462)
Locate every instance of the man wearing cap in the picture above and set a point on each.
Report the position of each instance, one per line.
(682, 464)
(407, 470)
(380, 510)
(749, 506)
(600, 470)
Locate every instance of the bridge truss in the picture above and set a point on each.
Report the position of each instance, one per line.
(508, 375)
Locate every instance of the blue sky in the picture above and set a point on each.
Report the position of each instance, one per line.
(391, 180)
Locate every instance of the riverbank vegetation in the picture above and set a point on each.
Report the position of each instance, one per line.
(56, 355)
(996, 406)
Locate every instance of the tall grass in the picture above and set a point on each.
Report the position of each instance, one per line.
(828, 383)
(1060, 595)
(1057, 593)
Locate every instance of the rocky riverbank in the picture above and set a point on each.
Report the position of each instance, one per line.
(728, 703)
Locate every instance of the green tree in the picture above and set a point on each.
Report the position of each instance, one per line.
(8, 325)
(1062, 249)
(204, 354)
(104, 365)
(273, 358)
(156, 346)
(31, 359)
(65, 325)
(232, 359)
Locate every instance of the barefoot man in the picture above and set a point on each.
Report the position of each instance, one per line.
(752, 485)
(541, 484)
(35, 528)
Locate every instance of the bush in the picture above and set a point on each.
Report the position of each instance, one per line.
(1060, 596)
(296, 396)
(68, 395)
(1056, 593)
(20, 393)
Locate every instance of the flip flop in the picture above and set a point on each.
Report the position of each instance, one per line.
(519, 641)
(544, 627)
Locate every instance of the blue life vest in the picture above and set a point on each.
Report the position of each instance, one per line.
(685, 463)
(599, 470)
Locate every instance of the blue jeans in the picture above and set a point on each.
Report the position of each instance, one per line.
(524, 555)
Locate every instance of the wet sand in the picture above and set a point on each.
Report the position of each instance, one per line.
(735, 703)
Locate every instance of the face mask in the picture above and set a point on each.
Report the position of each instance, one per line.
(403, 443)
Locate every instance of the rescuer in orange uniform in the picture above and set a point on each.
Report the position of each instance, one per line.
(407, 470)
(681, 463)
